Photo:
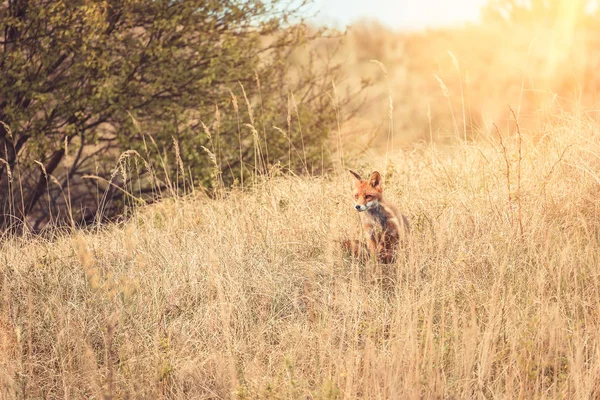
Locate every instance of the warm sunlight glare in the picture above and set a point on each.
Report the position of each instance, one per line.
(407, 14)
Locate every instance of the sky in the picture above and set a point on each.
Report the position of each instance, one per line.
(399, 14)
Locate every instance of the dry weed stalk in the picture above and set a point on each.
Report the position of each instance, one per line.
(507, 172)
(519, 159)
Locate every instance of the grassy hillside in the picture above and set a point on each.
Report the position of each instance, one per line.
(248, 295)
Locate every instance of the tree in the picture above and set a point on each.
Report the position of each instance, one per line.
(86, 85)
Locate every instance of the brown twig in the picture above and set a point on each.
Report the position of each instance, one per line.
(505, 153)
(520, 142)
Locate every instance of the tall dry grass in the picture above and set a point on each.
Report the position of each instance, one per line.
(247, 295)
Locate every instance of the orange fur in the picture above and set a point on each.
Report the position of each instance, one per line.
(384, 227)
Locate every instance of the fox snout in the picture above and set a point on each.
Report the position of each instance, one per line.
(364, 207)
(360, 208)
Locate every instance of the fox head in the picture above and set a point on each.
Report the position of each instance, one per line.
(367, 193)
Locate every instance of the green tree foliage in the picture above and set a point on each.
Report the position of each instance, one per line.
(190, 90)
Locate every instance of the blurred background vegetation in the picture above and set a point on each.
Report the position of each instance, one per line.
(538, 56)
(107, 104)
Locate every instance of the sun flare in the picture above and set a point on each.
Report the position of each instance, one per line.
(400, 14)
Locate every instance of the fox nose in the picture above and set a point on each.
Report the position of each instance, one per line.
(357, 207)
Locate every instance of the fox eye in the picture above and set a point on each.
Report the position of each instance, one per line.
(368, 196)
(356, 196)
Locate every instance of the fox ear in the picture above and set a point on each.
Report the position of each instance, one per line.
(355, 175)
(375, 179)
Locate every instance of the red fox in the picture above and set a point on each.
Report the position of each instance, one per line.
(384, 226)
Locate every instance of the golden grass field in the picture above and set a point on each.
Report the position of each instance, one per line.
(247, 295)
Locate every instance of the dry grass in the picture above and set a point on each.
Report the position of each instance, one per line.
(538, 69)
(248, 296)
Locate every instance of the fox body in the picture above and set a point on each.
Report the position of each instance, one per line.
(384, 227)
